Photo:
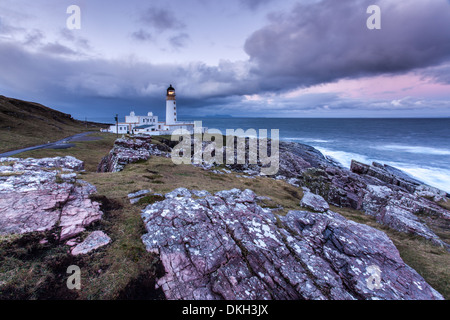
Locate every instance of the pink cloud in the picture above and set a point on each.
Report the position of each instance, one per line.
(380, 87)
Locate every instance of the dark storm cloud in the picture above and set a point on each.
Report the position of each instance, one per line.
(59, 78)
(161, 19)
(309, 44)
(329, 40)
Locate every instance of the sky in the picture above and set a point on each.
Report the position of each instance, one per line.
(244, 58)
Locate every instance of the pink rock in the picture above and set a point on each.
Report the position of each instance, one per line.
(34, 199)
(220, 247)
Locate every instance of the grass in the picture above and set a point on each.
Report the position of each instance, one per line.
(91, 152)
(9, 174)
(124, 269)
(445, 204)
(171, 176)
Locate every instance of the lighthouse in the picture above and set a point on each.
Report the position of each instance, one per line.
(171, 106)
(150, 125)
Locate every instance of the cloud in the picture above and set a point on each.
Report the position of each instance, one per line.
(57, 49)
(71, 37)
(328, 40)
(34, 37)
(142, 35)
(254, 4)
(317, 43)
(58, 75)
(440, 73)
(179, 41)
(7, 28)
(161, 19)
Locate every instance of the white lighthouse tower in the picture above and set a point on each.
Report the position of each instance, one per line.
(171, 106)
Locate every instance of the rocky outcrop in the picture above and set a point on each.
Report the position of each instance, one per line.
(44, 194)
(294, 158)
(226, 246)
(431, 193)
(387, 174)
(392, 197)
(131, 150)
(403, 209)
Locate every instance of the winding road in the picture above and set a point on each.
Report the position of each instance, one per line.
(63, 143)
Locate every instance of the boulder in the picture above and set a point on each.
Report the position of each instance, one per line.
(120, 156)
(93, 241)
(314, 202)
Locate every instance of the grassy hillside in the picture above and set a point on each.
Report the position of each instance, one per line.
(25, 124)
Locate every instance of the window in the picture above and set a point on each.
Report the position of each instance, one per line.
(174, 113)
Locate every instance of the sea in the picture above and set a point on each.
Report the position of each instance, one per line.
(419, 147)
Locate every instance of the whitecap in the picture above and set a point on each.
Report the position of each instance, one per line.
(343, 157)
(308, 140)
(414, 149)
(435, 177)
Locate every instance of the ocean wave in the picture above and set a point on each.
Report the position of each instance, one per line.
(343, 157)
(436, 177)
(414, 149)
(308, 140)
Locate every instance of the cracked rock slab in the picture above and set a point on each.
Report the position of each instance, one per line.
(42, 194)
(225, 246)
(93, 241)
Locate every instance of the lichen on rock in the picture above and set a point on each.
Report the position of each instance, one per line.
(44, 196)
(225, 246)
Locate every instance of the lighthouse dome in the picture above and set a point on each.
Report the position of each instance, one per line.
(170, 90)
